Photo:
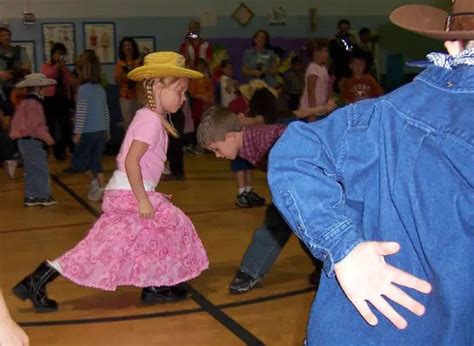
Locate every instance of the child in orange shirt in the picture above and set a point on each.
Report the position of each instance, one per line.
(360, 85)
(201, 92)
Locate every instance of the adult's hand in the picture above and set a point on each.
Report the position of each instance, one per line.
(364, 277)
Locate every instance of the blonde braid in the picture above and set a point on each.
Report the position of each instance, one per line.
(150, 103)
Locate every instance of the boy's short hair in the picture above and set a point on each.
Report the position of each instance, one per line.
(215, 123)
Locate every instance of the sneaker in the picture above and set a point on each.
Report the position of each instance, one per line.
(242, 283)
(97, 195)
(95, 192)
(47, 202)
(166, 171)
(243, 200)
(10, 168)
(31, 202)
(255, 198)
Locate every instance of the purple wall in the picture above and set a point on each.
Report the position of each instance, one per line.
(237, 46)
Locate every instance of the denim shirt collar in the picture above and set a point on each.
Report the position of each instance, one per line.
(459, 80)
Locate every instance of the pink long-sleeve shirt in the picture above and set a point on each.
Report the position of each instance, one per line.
(29, 120)
(52, 71)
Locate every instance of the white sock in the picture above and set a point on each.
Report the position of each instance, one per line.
(241, 190)
(55, 264)
(248, 188)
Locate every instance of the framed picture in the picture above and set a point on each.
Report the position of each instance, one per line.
(100, 37)
(30, 50)
(146, 44)
(242, 14)
(277, 16)
(59, 33)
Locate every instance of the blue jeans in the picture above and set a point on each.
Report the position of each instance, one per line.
(266, 245)
(35, 160)
(88, 154)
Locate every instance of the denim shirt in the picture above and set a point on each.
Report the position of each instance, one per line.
(398, 168)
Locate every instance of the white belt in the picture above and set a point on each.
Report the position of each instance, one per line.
(119, 181)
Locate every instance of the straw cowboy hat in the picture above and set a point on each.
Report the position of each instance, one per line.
(35, 80)
(249, 89)
(436, 23)
(163, 64)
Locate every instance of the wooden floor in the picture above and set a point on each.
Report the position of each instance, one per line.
(274, 314)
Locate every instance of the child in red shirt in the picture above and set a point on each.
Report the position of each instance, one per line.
(360, 85)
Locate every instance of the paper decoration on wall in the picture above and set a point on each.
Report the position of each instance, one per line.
(277, 16)
(242, 14)
(59, 33)
(208, 18)
(100, 37)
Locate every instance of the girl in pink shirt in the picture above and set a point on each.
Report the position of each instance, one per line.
(141, 239)
(317, 82)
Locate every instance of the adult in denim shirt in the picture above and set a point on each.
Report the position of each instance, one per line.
(383, 192)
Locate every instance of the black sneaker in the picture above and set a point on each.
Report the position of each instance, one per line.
(242, 283)
(47, 202)
(154, 295)
(255, 198)
(31, 202)
(243, 200)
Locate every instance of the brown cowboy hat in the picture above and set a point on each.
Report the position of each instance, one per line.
(436, 23)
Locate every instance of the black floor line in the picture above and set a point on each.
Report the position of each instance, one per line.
(108, 319)
(232, 325)
(204, 303)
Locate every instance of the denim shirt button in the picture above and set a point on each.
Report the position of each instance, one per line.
(449, 84)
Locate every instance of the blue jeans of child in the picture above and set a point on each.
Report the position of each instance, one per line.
(35, 160)
(88, 153)
(266, 245)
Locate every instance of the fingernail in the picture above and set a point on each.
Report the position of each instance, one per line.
(402, 325)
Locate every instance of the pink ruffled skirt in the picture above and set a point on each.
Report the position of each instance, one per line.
(124, 249)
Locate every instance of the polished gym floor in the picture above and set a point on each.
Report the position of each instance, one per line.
(273, 314)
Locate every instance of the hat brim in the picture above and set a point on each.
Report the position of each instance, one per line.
(31, 84)
(149, 72)
(428, 21)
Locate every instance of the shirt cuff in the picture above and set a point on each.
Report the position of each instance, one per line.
(336, 245)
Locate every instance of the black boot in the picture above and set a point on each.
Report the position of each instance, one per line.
(33, 287)
(153, 295)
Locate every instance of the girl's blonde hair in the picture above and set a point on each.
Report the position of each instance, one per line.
(150, 100)
(89, 67)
